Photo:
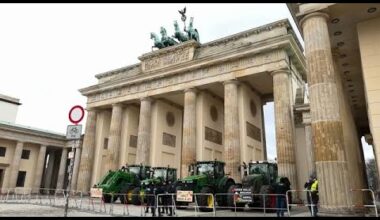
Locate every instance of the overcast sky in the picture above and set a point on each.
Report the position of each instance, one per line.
(49, 51)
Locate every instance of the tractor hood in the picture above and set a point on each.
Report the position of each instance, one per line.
(194, 178)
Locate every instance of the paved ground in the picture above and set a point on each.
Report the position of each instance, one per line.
(50, 207)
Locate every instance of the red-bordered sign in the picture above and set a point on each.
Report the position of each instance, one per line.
(76, 114)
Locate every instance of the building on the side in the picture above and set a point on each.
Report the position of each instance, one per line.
(31, 159)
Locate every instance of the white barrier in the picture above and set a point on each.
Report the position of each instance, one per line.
(297, 204)
(366, 205)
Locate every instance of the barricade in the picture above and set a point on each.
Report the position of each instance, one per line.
(298, 204)
(264, 199)
(161, 205)
(373, 205)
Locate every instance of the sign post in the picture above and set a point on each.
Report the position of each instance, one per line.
(74, 132)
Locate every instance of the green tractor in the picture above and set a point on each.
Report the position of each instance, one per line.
(205, 177)
(158, 176)
(122, 181)
(259, 177)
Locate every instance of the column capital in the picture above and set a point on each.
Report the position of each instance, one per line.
(191, 89)
(233, 81)
(314, 14)
(146, 98)
(283, 70)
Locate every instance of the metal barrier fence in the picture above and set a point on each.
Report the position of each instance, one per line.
(311, 205)
(116, 207)
(271, 198)
(373, 205)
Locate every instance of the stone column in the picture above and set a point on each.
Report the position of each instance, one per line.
(309, 149)
(231, 129)
(144, 132)
(189, 131)
(326, 123)
(62, 169)
(74, 178)
(87, 156)
(39, 169)
(15, 164)
(49, 170)
(112, 161)
(285, 144)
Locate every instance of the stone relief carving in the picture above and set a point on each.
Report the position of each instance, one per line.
(213, 135)
(253, 131)
(168, 139)
(186, 76)
(133, 141)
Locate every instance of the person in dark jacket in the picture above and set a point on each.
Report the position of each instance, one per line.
(280, 188)
(168, 199)
(150, 197)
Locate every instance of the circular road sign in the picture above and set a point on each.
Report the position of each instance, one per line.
(76, 114)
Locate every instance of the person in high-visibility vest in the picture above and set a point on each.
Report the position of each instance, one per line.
(314, 196)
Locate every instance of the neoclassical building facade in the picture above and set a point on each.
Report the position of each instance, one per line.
(196, 101)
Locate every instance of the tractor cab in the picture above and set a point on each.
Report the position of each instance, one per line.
(265, 168)
(141, 171)
(210, 168)
(165, 174)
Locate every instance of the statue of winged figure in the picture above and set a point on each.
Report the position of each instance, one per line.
(183, 16)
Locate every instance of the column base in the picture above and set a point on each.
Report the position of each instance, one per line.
(340, 212)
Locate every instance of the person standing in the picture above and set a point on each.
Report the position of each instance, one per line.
(307, 187)
(280, 188)
(314, 196)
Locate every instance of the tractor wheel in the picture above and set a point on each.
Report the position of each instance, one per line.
(223, 199)
(180, 205)
(205, 202)
(136, 196)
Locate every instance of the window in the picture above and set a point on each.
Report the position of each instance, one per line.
(2, 151)
(105, 146)
(25, 154)
(21, 178)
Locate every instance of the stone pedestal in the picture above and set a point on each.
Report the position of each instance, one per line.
(87, 156)
(231, 130)
(112, 158)
(62, 169)
(39, 169)
(189, 131)
(331, 164)
(144, 132)
(15, 164)
(284, 126)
